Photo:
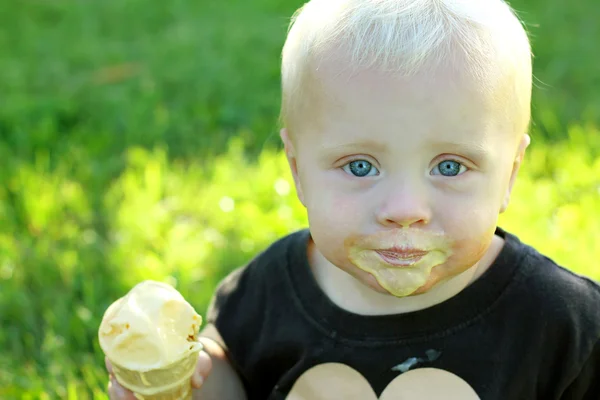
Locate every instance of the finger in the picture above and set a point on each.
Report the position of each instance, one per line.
(203, 368)
(118, 392)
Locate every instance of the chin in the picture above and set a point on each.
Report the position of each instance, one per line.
(435, 279)
(430, 284)
(423, 289)
(372, 283)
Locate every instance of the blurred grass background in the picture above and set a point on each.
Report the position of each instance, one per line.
(138, 140)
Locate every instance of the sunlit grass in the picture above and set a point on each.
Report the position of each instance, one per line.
(138, 140)
(190, 224)
(556, 201)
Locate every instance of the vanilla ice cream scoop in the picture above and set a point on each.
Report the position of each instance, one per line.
(149, 328)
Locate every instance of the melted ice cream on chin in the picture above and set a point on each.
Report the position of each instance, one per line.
(399, 281)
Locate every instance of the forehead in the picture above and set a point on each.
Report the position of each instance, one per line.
(440, 104)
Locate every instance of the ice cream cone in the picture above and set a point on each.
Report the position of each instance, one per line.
(169, 383)
(150, 336)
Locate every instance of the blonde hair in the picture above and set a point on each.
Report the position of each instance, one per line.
(405, 37)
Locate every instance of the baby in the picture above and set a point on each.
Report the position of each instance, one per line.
(405, 124)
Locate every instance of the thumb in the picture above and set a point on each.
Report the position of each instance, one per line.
(115, 390)
(203, 368)
(118, 392)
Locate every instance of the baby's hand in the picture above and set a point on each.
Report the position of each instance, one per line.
(118, 392)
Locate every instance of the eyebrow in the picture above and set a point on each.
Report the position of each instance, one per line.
(363, 144)
(469, 150)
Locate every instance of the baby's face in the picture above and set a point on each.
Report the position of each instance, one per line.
(403, 179)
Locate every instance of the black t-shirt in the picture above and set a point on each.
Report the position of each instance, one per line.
(526, 329)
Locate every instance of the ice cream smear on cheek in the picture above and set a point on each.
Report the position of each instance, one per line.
(401, 261)
(149, 328)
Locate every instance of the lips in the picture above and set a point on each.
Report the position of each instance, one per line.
(401, 257)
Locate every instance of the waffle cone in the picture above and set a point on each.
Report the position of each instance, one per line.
(169, 383)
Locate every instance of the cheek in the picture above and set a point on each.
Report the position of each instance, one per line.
(468, 250)
(472, 222)
(330, 222)
(332, 218)
(330, 206)
(468, 213)
(471, 228)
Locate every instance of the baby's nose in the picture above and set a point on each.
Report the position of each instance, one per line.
(404, 206)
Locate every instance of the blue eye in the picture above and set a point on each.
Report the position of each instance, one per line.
(360, 168)
(449, 168)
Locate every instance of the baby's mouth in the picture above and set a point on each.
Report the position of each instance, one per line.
(401, 257)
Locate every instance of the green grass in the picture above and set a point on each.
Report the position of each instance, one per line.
(138, 139)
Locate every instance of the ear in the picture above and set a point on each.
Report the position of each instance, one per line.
(525, 140)
(290, 153)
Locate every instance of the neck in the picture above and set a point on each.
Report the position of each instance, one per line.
(353, 296)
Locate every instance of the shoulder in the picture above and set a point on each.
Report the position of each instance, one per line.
(556, 313)
(238, 315)
(248, 287)
(556, 288)
(567, 304)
